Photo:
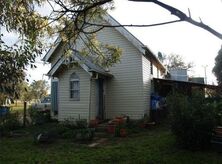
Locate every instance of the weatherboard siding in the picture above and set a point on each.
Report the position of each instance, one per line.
(155, 71)
(69, 108)
(93, 99)
(59, 51)
(57, 54)
(146, 84)
(124, 92)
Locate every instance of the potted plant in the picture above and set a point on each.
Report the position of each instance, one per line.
(120, 131)
(93, 123)
(111, 128)
(123, 132)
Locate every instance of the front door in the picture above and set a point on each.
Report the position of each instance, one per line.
(54, 97)
(100, 85)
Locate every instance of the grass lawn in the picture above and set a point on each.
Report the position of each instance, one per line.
(150, 146)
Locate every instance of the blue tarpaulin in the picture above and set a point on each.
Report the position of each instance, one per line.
(4, 110)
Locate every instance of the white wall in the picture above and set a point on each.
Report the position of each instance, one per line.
(146, 84)
(124, 94)
(69, 108)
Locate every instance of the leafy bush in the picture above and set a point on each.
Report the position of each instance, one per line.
(219, 113)
(69, 134)
(85, 134)
(39, 117)
(9, 122)
(76, 129)
(192, 119)
(75, 123)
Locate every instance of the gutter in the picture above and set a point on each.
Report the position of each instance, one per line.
(151, 55)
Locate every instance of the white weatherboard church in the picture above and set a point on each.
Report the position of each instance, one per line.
(88, 91)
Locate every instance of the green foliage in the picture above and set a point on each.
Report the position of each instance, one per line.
(117, 131)
(217, 70)
(73, 21)
(219, 112)
(36, 90)
(3, 97)
(84, 134)
(24, 91)
(9, 122)
(39, 89)
(151, 146)
(39, 117)
(69, 134)
(77, 129)
(175, 61)
(192, 119)
(21, 18)
(72, 123)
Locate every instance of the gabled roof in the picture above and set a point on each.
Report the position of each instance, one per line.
(85, 63)
(52, 49)
(130, 37)
(136, 42)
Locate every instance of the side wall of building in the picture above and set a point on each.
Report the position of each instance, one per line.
(93, 99)
(124, 92)
(68, 108)
(147, 77)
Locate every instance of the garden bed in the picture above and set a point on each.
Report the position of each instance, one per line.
(156, 145)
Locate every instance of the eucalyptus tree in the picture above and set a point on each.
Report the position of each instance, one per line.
(70, 20)
(19, 17)
(217, 70)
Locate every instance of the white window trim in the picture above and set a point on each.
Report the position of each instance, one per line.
(76, 79)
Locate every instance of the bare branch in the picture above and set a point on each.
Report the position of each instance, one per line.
(183, 17)
(99, 3)
(200, 20)
(132, 25)
(189, 12)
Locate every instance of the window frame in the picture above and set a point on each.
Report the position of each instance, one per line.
(151, 68)
(74, 80)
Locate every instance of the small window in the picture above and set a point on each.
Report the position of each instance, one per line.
(151, 68)
(74, 87)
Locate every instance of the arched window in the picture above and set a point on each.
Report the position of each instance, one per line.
(74, 87)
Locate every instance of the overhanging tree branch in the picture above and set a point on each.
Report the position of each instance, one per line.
(133, 25)
(183, 17)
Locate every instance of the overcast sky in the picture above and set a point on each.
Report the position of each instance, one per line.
(194, 44)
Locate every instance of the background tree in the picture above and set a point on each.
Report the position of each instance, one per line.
(24, 91)
(175, 61)
(39, 89)
(217, 70)
(71, 20)
(21, 18)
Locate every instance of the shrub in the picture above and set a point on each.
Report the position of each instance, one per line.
(9, 122)
(77, 129)
(219, 113)
(69, 134)
(192, 119)
(85, 134)
(75, 123)
(39, 117)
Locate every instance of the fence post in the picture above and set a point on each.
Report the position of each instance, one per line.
(24, 114)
